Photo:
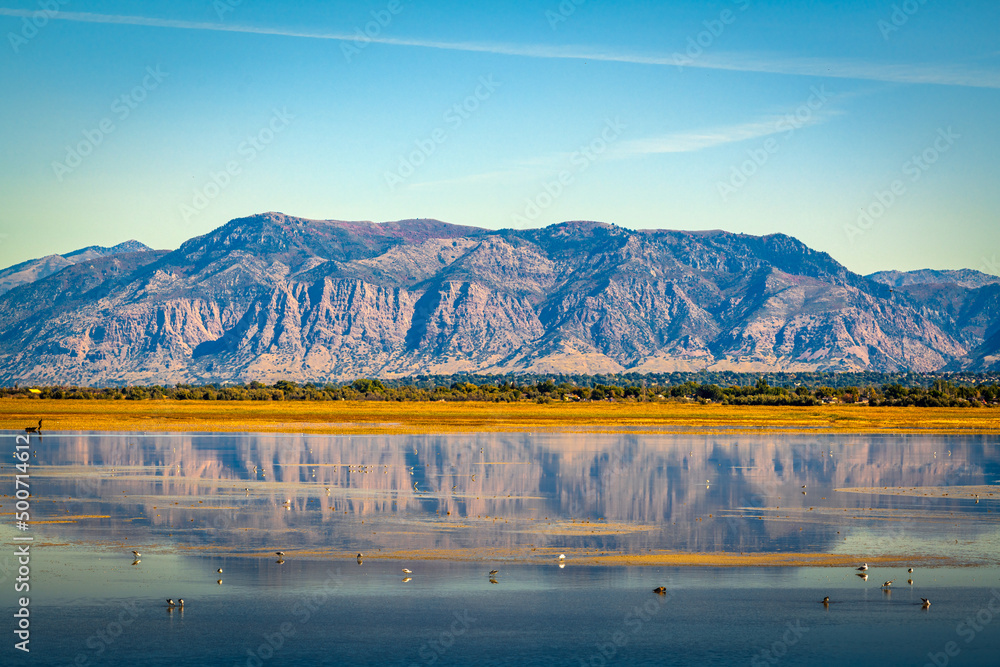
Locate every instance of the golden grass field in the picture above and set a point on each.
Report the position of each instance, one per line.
(385, 417)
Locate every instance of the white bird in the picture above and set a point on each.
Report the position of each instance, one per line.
(562, 556)
(864, 566)
(180, 602)
(910, 570)
(888, 583)
(279, 553)
(219, 570)
(494, 572)
(170, 602)
(136, 553)
(927, 603)
(407, 571)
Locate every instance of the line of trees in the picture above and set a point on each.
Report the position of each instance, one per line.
(940, 392)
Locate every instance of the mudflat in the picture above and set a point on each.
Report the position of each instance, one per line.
(377, 417)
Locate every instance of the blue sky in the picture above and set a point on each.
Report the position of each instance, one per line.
(867, 130)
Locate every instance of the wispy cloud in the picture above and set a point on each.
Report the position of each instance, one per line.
(946, 75)
(691, 141)
(687, 141)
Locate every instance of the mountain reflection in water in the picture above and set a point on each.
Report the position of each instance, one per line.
(517, 492)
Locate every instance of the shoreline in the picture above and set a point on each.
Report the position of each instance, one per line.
(398, 418)
(586, 557)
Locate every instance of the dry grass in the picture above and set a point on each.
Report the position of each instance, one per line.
(379, 417)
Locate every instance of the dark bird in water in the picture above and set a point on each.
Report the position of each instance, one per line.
(888, 583)
(910, 570)
(927, 603)
(170, 602)
(826, 600)
(34, 429)
(660, 590)
(219, 570)
(180, 603)
(493, 573)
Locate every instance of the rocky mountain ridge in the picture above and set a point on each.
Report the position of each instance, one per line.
(36, 269)
(273, 296)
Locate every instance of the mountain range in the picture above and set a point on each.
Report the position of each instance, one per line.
(271, 297)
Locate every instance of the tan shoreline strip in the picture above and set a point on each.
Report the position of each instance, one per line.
(597, 558)
(374, 417)
(969, 491)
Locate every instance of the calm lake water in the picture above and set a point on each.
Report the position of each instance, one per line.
(194, 503)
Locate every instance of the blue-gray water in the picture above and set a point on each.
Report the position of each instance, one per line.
(193, 503)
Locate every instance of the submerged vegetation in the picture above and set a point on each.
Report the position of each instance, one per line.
(806, 389)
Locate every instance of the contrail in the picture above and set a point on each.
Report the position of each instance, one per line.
(816, 67)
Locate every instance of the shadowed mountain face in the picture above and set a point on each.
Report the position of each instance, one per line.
(272, 296)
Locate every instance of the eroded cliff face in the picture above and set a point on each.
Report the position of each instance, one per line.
(271, 297)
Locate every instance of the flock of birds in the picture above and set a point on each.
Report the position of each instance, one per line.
(171, 605)
(886, 587)
(659, 590)
(862, 572)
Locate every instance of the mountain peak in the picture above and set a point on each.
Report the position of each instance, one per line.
(42, 267)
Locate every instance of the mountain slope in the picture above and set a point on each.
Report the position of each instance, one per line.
(36, 269)
(969, 278)
(272, 296)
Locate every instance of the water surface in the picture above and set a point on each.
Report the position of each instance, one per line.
(195, 503)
